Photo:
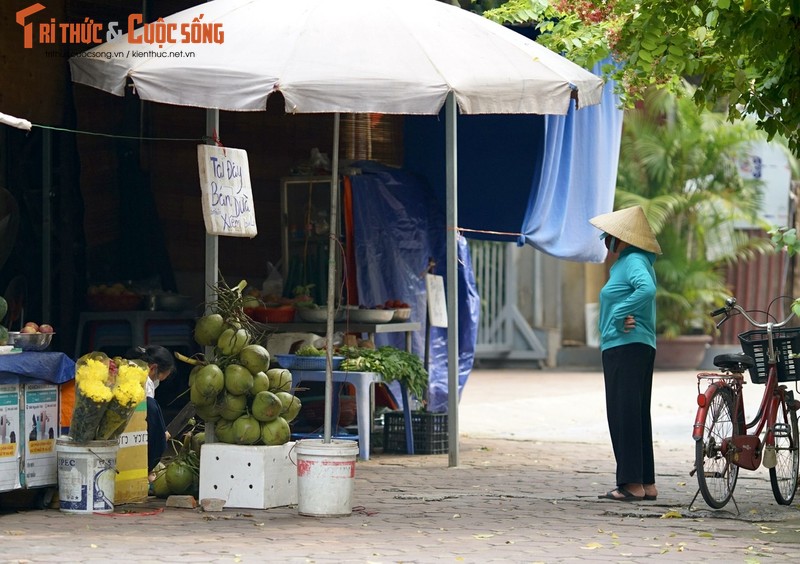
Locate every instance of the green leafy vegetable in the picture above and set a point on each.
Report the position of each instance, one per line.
(309, 350)
(393, 364)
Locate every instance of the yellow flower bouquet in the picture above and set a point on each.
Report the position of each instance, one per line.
(127, 393)
(92, 396)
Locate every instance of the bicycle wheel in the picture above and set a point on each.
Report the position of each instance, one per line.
(783, 476)
(716, 474)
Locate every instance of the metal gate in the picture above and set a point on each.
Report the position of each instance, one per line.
(503, 331)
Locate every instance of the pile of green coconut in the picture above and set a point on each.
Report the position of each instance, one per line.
(235, 388)
(232, 387)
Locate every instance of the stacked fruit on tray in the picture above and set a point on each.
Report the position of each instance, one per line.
(234, 388)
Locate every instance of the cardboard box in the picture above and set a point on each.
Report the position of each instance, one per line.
(10, 437)
(40, 431)
(132, 485)
(254, 477)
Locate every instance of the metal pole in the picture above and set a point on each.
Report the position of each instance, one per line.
(332, 248)
(451, 146)
(212, 250)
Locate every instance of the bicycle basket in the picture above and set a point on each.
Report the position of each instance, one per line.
(787, 344)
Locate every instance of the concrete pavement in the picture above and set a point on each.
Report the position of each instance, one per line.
(534, 455)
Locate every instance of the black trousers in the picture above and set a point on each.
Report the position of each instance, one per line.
(156, 433)
(628, 373)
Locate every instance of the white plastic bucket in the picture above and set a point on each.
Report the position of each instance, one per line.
(86, 475)
(325, 477)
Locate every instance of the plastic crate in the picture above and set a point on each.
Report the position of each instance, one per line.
(787, 344)
(429, 430)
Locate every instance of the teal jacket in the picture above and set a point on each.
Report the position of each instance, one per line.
(630, 290)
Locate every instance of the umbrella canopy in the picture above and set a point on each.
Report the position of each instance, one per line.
(353, 56)
(338, 56)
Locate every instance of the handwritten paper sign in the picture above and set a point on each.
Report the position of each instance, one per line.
(227, 195)
(437, 303)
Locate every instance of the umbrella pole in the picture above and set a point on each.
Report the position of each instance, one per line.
(451, 176)
(211, 256)
(332, 248)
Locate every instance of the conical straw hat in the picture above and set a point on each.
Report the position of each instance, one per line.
(629, 225)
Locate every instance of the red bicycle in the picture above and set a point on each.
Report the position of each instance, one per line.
(724, 440)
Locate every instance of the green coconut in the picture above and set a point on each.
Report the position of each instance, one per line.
(291, 405)
(275, 432)
(198, 440)
(209, 381)
(160, 486)
(246, 430)
(200, 401)
(255, 358)
(238, 379)
(266, 406)
(3, 335)
(260, 383)
(193, 374)
(208, 413)
(231, 406)
(280, 380)
(232, 341)
(224, 431)
(179, 477)
(3, 308)
(207, 329)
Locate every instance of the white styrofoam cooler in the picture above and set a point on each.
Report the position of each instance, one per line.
(254, 477)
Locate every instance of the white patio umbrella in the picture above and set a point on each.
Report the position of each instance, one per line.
(353, 56)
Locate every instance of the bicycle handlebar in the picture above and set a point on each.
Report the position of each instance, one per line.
(730, 304)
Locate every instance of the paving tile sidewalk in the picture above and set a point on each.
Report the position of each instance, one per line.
(509, 500)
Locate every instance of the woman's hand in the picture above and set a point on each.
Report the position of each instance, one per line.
(629, 324)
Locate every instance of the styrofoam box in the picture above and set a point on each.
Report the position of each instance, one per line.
(254, 477)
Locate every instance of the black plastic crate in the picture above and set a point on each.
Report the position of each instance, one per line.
(429, 431)
(787, 344)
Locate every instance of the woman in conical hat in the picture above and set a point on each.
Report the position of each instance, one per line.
(628, 345)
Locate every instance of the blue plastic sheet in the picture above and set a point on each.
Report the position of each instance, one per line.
(578, 180)
(398, 227)
(49, 367)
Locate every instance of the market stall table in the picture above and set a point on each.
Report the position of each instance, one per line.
(371, 329)
(362, 381)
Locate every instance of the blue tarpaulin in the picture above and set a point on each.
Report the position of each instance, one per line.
(30, 367)
(527, 178)
(577, 182)
(398, 227)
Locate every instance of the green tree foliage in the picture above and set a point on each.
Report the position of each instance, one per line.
(742, 55)
(681, 165)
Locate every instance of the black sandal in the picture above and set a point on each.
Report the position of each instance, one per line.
(626, 495)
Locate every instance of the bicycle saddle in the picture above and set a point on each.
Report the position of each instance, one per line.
(735, 362)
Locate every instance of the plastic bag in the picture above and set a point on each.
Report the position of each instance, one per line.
(273, 284)
(319, 161)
